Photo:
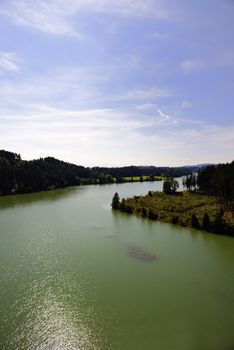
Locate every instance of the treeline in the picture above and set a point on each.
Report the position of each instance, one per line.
(214, 180)
(21, 176)
(133, 171)
(218, 181)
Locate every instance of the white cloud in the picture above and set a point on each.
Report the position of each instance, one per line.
(9, 61)
(136, 8)
(164, 116)
(73, 88)
(157, 35)
(60, 87)
(112, 136)
(49, 17)
(56, 16)
(186, 104)
(193, 65)
(90, 131)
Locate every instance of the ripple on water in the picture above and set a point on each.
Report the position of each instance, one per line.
(54, 320)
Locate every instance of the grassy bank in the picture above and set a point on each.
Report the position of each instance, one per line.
(185, 209)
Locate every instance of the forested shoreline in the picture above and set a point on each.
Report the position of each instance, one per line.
(21, 176)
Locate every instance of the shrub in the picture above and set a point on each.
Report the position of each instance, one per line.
(128, 209)
(143, 212)
(152, 215)
(175, 219)
(122, 205)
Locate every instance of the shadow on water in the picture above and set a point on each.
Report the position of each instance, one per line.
(44, 196)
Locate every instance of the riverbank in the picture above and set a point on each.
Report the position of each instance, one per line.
(184, 208)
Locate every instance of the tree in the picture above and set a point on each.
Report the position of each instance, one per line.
(190, 182)
(206, 222)
(122, 204)
(170, 186)
(115, 201)
(194, 221)
(219, 223)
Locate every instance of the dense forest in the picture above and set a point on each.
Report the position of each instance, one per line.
(21, 176)
(214, 180)
(218, 181)
(131, 171)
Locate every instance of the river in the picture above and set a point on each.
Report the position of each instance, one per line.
(67, 281)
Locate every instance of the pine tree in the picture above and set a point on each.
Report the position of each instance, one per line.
(219, 223)
(115, 201)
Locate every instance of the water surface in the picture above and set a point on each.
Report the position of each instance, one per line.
(68, 282)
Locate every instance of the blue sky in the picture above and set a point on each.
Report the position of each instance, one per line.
(111, 83)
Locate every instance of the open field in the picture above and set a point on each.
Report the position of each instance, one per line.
(143, 178)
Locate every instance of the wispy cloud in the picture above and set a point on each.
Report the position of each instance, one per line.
(9, 61)
(157, 35)
(186, 104)
(193, 65)
(56, 17)
(226, 59)
(147, 94)
(163, 115)
(75, 88)
(48, 17)
(97, 132)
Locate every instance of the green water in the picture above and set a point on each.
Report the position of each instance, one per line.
(68, 283)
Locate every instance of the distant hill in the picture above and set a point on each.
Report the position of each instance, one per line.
(128, 171)
(21, 176)
(199, 166)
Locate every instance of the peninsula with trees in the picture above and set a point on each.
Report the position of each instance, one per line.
(207, 204)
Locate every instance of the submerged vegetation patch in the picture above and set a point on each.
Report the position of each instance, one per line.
(141, 254)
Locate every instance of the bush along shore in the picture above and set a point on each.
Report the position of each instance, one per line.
(188, 209)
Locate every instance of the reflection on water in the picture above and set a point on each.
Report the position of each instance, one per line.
(60, 327)
(44, 196)
(51, 324)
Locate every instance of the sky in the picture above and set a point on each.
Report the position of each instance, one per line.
(118, 82)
